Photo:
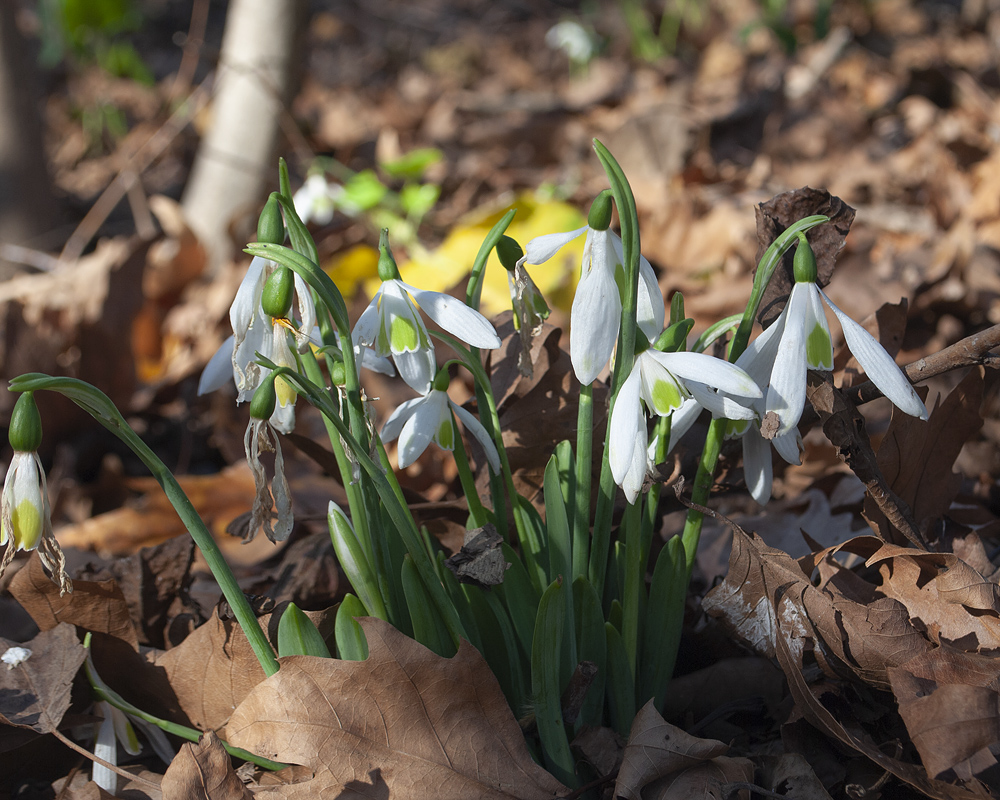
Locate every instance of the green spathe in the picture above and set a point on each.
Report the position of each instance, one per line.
(25, 434)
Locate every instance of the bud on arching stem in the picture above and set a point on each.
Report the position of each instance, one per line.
(387, 269)
(264, 399)
(25, 433)
(270, 226)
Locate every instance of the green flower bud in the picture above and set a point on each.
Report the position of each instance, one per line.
(509, 252)
(25, 433)
(804, 262)
(276, 298)
(270, 226)
(264, 399)
(387, 269)
(599, 218)
(338, 374)
(441, 380)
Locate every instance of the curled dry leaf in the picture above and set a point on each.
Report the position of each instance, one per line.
(680, 765)
(405, 723)
(35, 693)
(203, 771)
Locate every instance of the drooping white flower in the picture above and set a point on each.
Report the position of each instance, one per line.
(597, 305)
(26, 518)
(418, 422)
(662, 382)
(316, 199)
(114, 728)
(256, 332)
(799, 340)
(392, 326)
(573, 39)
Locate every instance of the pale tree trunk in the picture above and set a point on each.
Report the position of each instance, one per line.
(27, 206)
(236, 160)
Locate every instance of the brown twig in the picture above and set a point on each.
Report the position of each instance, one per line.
(107, 764)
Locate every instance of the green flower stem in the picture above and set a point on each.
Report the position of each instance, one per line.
(635, 577)
(110, 696)
(472, 297)
(584, 469)
(705, 476)
(398, 512)
(98, 405)
(476, 510)
(628, 219)
(661, 434)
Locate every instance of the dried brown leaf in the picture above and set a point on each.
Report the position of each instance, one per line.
(97, 606)
(36, 693)
(916, 457)
(713, 779)
(404, 723)
(203, 771)
(656, 750)
(782, 211)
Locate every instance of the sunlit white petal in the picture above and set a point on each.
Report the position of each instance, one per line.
(757, 469)
(786, 395)
(398, 418)
(475, 428)
(594, 322)
(879, 366)
(650, 310)
(456, 317)
(542, 248)
(627, 428)
(710, 371)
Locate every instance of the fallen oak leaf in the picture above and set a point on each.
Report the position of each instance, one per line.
(203, 771)
(404, 723)
(685, 765)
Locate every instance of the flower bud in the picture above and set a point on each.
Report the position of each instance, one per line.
(264, 399)
(509, 252)
(599, 218)
(25, 433)
(276, 297)
(804, 262)
(270, 226)
(387, 269)
(442, 380)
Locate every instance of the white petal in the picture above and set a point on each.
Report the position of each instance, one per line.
(219, 369)
(632, 482)
(124, 732)
(786, 396)
(307, 309)
(710, 371)
(476, 429)
(682, 419)
(376, 363)
(417, 369)
(719, 404)
(283, 418)
(789, 446)
(542, 248)
(456, 317)
(247, 300)
(758, 359)
(366, 328)
(650, 310)
(594, 322)
(880, 368)
(418, 432)
(655, 377)
(757, 470)
(626, 421)
(105, 748)
(398, 418)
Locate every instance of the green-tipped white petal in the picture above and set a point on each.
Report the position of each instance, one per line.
(819, 348)
(711, 371)
(879, 366)
(24, 507)
(456, 317)
(475, 428)
(786, 396)
(542, 248)
(659, 389)
(401, 329)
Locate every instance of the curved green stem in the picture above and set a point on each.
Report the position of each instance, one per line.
(99, 406)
